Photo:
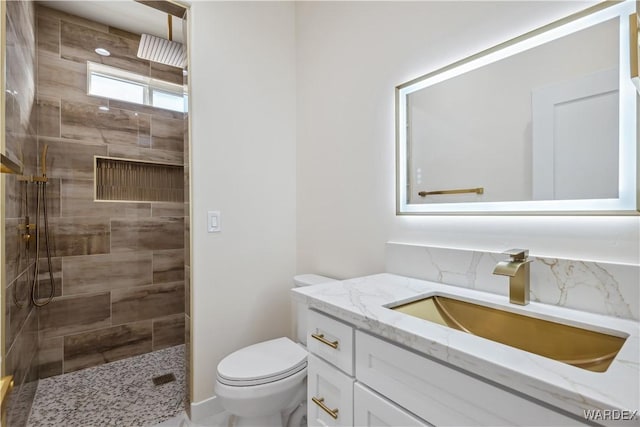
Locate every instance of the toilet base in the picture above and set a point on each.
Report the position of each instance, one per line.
(274, 420)
(265, 405)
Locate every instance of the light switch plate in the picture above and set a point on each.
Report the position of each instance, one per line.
(213, 221)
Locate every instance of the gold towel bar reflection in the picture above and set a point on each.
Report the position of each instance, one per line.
(322, 339)
(479, 190)
(320, 402)
(9, 166)
(634, 36)
(32, 178)
(6, 384)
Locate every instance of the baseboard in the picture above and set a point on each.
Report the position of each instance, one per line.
(207, 408)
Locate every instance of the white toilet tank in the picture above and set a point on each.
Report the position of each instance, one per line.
(299, 309)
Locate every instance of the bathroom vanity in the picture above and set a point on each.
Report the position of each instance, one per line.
(372, 365)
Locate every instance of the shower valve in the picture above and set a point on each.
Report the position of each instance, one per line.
(28, 227)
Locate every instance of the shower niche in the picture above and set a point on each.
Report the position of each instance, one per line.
(128, 180)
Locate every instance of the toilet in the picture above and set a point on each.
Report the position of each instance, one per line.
(264, 384)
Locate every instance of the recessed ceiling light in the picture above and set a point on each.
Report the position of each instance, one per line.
(102, 51)
(103, 108)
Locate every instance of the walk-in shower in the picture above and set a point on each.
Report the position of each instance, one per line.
(94, 215)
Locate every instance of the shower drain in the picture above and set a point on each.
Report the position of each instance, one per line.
(163, 379)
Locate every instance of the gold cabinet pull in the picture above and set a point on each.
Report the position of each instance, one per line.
(320, 402)
(323, 340)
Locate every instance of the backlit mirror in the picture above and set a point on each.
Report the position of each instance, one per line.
(542, 124)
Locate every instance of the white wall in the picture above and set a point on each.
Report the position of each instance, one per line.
(243, 164)
(351, 55)
(293, 140)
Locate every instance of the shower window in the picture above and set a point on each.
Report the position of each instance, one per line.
(113, 88)
(114, 83)
(168, 100)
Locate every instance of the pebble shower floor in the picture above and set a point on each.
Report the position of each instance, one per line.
(120, 393)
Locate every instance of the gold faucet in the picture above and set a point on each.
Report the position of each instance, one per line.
(517, 268)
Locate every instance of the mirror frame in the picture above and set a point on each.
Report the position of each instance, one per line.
(628, 201)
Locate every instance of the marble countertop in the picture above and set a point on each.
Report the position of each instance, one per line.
(361, 302)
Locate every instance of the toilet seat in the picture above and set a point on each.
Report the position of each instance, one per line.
(262, 363)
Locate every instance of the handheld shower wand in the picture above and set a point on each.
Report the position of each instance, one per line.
(41, 194)
(42, 184)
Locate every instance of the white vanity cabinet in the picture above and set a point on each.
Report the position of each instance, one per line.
(372, 410)
(358, 379)
(329, 395)
(441, 394)
(330, 339)
(333, 397)
(329, 371)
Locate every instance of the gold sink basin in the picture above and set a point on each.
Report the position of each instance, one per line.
(575, 346)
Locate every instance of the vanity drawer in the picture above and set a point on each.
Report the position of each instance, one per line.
(442, 395)
(372, 410)
(330, 339)
(329, 395)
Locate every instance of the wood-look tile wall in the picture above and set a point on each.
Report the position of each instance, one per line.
(20, 318)
(120, 266)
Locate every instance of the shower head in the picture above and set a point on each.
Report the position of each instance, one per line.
(161, 50)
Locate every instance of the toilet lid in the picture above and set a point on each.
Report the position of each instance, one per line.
(262, 363)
